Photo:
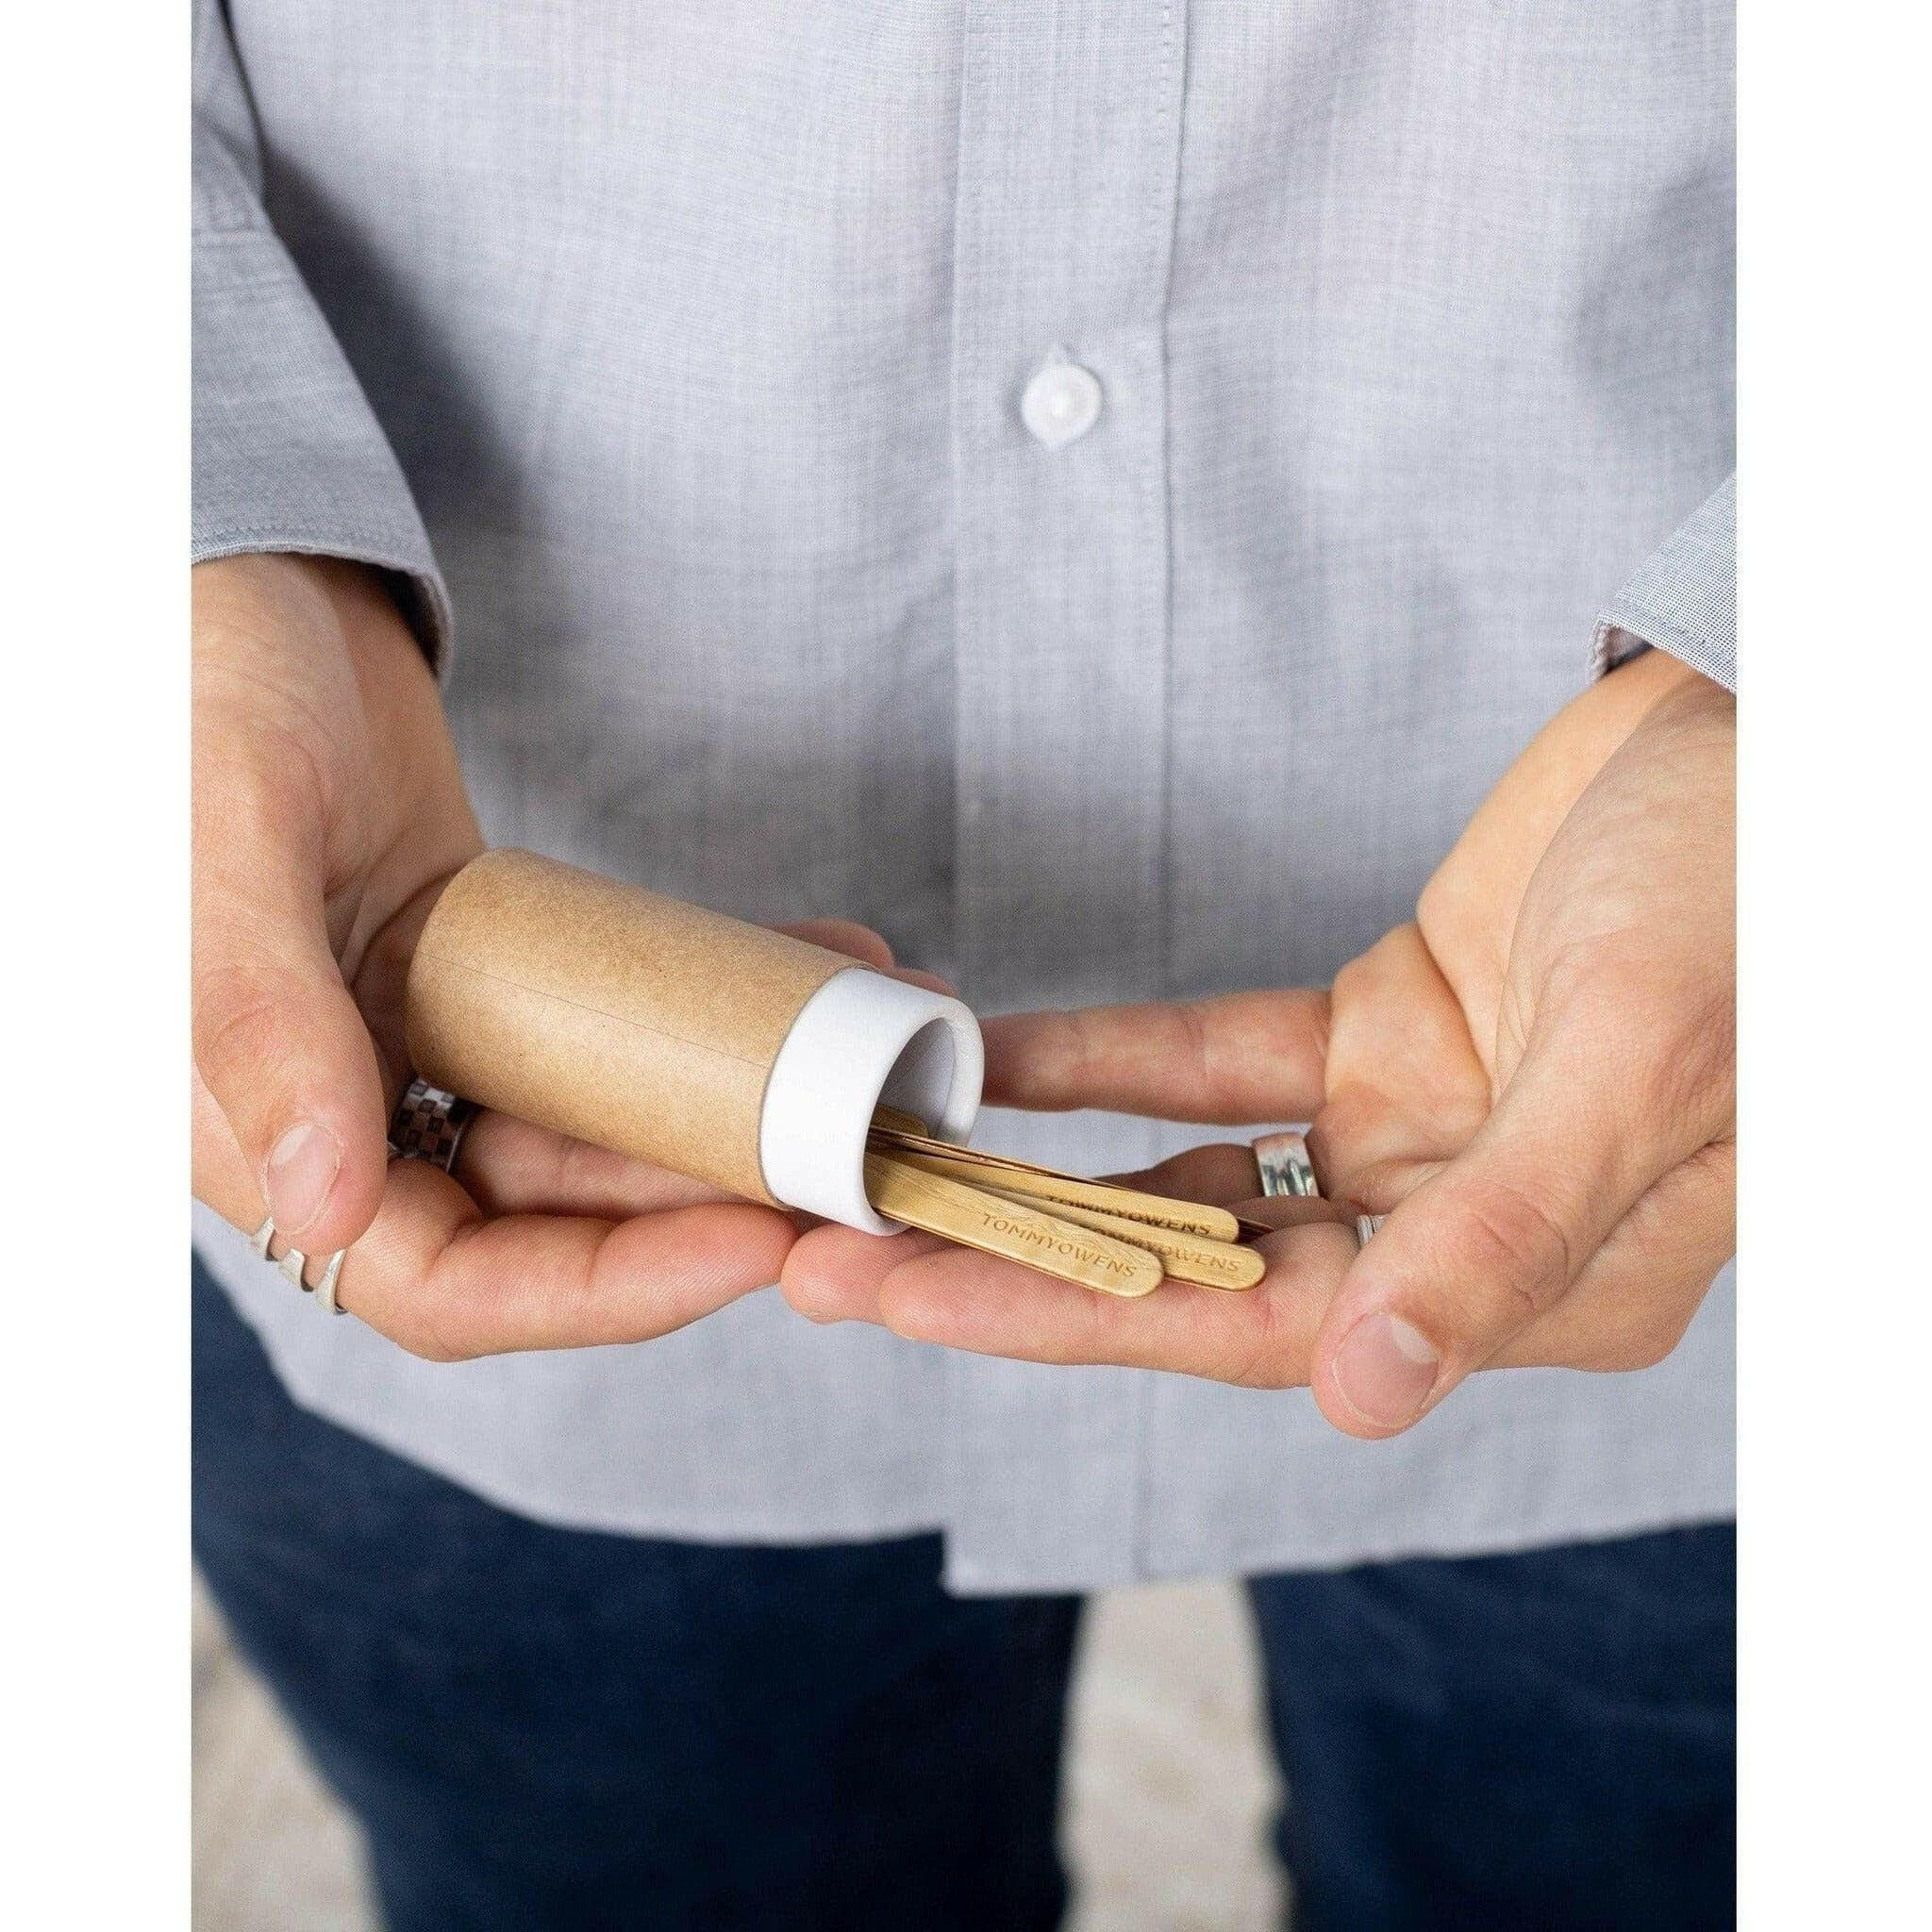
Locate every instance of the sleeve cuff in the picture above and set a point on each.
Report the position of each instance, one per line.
(1684, 600)
(288, 453)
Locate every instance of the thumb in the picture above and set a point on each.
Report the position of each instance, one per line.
(1494, 1239)
(278, 1041)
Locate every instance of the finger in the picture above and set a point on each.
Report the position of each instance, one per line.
(930, 1291)
(511, 1166)
(1248, 1057)
(930, 981)
(379, 977)
(1367, 1149)
(1488, 1244)
(1406, 1084)
(221, 1177)
(834, 1274)
(1291, 1210)
(278, 1041)
(1225, 1176)
(1219, 1175)
(869, 948)
(844, 936)
(1629, 1305)
(1261, 1338)
(440, 1279)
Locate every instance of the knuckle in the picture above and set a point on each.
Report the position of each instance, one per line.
(1647, 1350)
(1082, 1051)
(1691, 1077)
(429, 1347)
(1261, 1361)
(427, 1332)
(258, 753)
(1327, 1145)
(849, 936)
(870, 943)
(1341, 1142)
(1353, 980)
(1508, 1240)
(1450, 926)
(1676, 1032)
(238, 1023)
(1438, 907)
(1322, 1030)
(579, 1169)
(1645, 1340)
(808, 1297)
(1197, 1048)
(1342, 1167)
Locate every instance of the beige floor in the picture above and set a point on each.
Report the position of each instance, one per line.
(1168, 1792)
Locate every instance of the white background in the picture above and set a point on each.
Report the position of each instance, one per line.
(1837, 1302)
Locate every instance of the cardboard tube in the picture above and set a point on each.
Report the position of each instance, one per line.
(731, 1054)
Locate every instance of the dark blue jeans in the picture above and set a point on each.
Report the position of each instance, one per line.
(544, 1728)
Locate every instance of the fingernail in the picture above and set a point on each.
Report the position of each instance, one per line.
(301, 1168)
(1384, 1370)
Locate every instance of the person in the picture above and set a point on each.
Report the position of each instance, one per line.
(1205, 528)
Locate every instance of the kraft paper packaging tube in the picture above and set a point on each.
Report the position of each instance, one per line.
(725, 1052)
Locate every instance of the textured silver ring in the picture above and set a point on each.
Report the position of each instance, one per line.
(1282, 1161)
(428, 1124)
(292, 1265)
(1365, 1227)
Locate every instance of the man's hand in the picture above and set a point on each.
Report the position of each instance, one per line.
(328, 815)
(1534, 1080)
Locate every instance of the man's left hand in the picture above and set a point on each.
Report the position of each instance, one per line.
(1534, 1082)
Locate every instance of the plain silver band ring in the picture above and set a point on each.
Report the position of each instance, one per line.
(428, 1124)
(326, 1288)
(1365, 1227)
(1282, 1161)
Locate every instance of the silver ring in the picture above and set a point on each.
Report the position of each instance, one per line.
(326, 1288)
(1365, 1227)
(292, 1265)
(428, 1124)
(1282, 1161)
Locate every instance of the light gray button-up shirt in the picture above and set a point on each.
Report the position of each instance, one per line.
(1098, 490)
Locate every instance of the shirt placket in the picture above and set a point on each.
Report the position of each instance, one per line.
(1069, 154)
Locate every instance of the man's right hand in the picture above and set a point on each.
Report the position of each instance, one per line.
(329, 812)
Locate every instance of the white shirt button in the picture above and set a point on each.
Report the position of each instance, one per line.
(1062, 402)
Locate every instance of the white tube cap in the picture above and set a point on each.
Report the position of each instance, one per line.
(860, 1039)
